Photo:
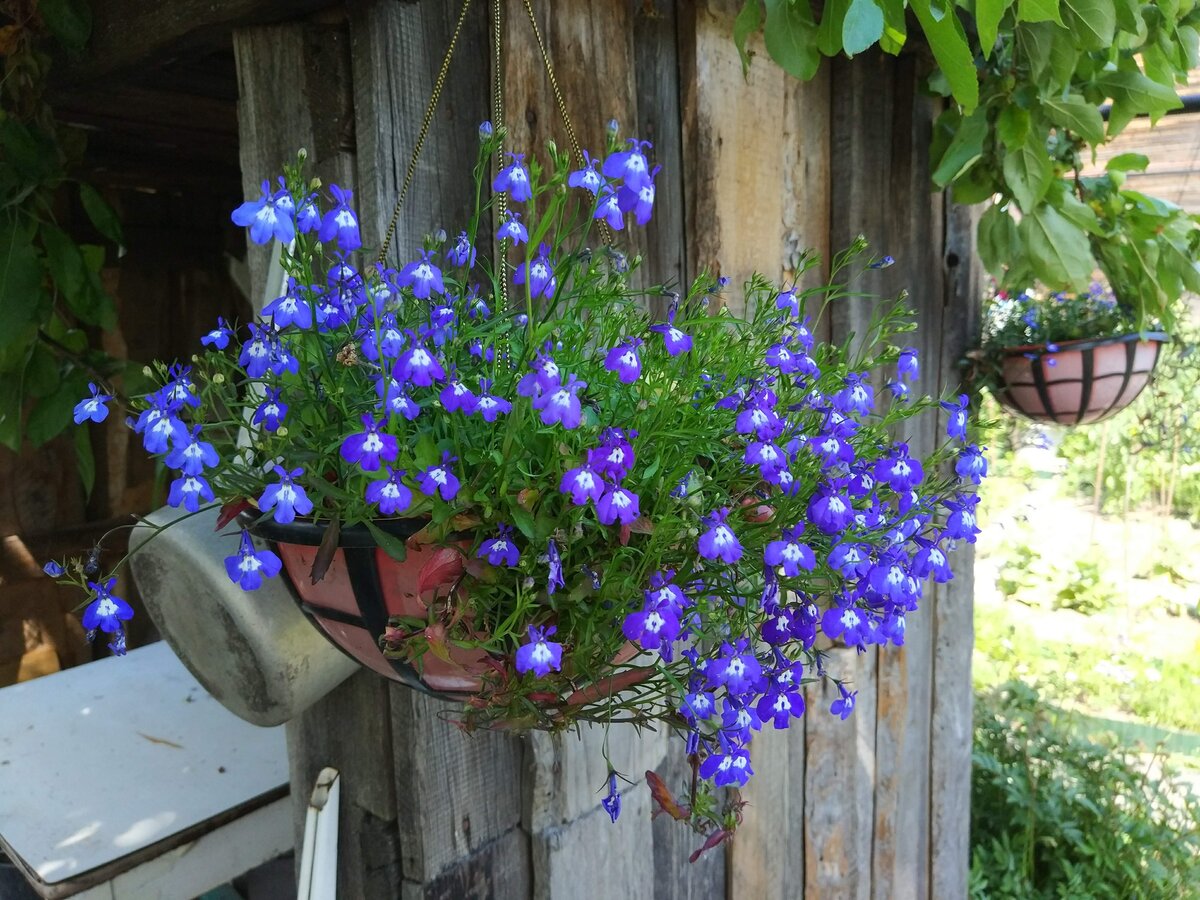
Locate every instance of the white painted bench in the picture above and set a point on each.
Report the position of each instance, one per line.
(124, 778)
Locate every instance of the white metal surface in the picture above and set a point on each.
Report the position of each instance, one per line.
(318, 862)
(100, 761)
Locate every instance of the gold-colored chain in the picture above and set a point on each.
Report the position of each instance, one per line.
(576, 150)
(498, 125)
(438, 83)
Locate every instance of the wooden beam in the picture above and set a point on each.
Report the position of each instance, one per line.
(129, 33)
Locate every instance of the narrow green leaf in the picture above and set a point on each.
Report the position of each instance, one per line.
(102, 215)
(523, 519)
(829, 32)
(895, 25)
(68, 20)
(988, 14)
(948, 42)
(1093, 22)
(1028, 171)
(1127, 162)
(11, 397)
(1059, 251)
(389, 543)
(997, 239)
(748, 21)
(1038, 11)
(863, 26)
(791, 38)
(1075, 113)
(85, 460)
(964, 150)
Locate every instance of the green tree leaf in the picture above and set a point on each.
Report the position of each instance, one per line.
(895, 25)
(748, 21)
(948, 42)
(1012, 125)
(1093, 22)
(76, 280)
(1127, 162)
(1028, 170)
(791, 38)
(1129, 15)
(998, 239)
(863, 26)
(1058, 251)
(829, 33)
(22, 297)
(389, 543)
(1038, 11)
(68, 20)
(1076, 114)
(101, 214)
(12, 396)
(988, 14)
(964, 149)
(51, 415)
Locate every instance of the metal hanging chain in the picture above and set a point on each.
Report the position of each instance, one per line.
(605, 232)
(498, 124)
(438, 84)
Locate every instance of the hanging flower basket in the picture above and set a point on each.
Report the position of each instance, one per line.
(1078, 382)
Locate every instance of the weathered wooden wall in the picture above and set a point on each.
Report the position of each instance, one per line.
(755, 170)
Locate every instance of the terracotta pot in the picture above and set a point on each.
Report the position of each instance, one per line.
(1082, 381)
(362, 588)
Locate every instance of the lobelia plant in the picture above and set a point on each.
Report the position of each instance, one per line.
(663, 523)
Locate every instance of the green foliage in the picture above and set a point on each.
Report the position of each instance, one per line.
(1056, 815)
(1051, 580)
(50, 288)
(1027, 80)
(1038, 318)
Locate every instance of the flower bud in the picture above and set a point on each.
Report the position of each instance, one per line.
(485, 131)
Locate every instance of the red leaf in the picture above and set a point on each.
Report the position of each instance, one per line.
(663, 800)
(625, 532)
(642, 525)
(715, 839)
(442, 569)
(231, 511)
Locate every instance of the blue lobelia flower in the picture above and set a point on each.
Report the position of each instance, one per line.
(719, 542)
(898, 388)
(255, 357)
(787, 300)
(738, 721)
(829, 510)
(270, 216)
(393, 396)
(738, 671)
(898, 470)
(851, 560)
(159, 427)
(341, 222)
(630, 165)
(961, 523)
(117, 645)
(583, 483)
(609, 209)
(390, 494)
(652, 628)
(387, 343)
(53, 569)
(729, 768)
(514, 178)
(286, 497)
(462, 253)
(767, 456)
(106, 611)
(845, 622)
(781, 702)
(512, 229)
(194, 456)
(368, 448)
(219, 336)
(188, 491)
(956, 425)
(308, 217)
(761, 421)
(247, 567)
(588, 177)
(539, 273)
(440, 478)
(490, 407)
(271, 411)
(93, 408)
(541, 655)
(554, 578)
(697, 706)
(844, 704)
(545, 376)
(856, 396)
(614, 457)
(971, 464)
(423, 277)
(931, 560)
(289, 309)
(831, 450)
(790, 553)
(418, 365)
(457, 397)
(625, 361)
(618, 504)
(883, 263)
(908, 365)
(890, 579)
(502, 550)
(639, 201)
(561, 404)
(612, 802)
(674, 340)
